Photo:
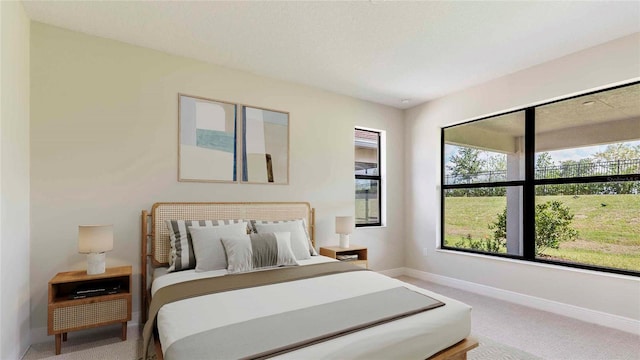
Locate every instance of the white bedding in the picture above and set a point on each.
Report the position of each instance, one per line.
(417, 336)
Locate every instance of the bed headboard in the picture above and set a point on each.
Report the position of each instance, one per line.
(160, 243)
(155, 232)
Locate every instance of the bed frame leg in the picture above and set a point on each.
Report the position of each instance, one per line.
(456, 352)
(158, 349)
(143, 270)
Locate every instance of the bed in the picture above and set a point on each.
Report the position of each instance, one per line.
(306, 304)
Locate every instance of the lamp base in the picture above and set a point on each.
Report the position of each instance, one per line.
(344, 241)
(96, 263)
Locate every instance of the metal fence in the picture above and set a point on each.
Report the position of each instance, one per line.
(600, 168)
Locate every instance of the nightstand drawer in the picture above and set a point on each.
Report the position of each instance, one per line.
(89, 314)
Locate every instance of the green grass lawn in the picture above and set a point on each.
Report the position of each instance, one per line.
(608, 226)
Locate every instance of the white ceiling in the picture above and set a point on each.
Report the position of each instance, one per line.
(381, 51)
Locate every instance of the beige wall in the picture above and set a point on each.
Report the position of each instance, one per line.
(104, 147)
(601, 66)
(14, 180)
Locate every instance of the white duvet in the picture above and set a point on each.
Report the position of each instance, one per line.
(415, 337)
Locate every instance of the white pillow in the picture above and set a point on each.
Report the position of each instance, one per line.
(299, 242)
(182, 256)
(312, 250)
(258, 251)
(208, 248)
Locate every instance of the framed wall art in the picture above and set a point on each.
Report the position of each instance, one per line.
(265, 146)
(207, 140)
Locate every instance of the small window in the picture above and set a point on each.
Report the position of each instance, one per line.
(368, 179)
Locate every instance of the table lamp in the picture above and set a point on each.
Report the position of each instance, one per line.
(344, 227)
(94, 240)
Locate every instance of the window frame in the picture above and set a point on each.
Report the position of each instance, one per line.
(529, 185)
(372, 177)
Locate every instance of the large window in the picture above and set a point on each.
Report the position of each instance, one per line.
(368, 178)
(556, 183)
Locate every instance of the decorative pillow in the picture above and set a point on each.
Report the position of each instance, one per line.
(210, 254)
(182, 256)
(258, 251)
(294, 232)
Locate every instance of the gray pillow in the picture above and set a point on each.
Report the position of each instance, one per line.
(258, 251)
(209, 252)
(182, 256)
(300, 243)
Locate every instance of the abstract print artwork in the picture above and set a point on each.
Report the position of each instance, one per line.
(207, 140)
(265, 146)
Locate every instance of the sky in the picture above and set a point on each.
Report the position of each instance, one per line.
(557, 156)
(581, 153)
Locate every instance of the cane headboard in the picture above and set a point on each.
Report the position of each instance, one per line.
(157, 232)
(160, 244)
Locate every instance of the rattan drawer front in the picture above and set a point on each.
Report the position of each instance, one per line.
(74, 316)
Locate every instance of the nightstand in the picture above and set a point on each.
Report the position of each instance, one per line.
(79, 301)
(335, 251)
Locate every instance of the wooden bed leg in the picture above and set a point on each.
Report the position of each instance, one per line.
(143, 268)
(458, 351)
(64, 336)
(459, 357)
(158, 349)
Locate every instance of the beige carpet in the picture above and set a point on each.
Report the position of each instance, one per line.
(87, 349)
(110, 347)
(543, 334)
(491, 350)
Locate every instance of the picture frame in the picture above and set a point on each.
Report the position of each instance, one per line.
(207, 140)
(265, 146)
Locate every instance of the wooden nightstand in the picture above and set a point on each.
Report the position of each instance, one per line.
(334, 251)
(67, 313)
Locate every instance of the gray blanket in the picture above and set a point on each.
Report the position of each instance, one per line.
(193, 288)
(280, 333)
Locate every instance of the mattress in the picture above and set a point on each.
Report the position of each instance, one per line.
(416, 336)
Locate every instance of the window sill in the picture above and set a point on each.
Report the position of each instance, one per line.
(371, 227)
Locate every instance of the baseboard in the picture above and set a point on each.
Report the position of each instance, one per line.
(593, 316)
(39, 335)
(19, 353)
(392, 272)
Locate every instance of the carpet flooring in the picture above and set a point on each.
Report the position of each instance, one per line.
(540, 333)
(505, 331)
(112, 348)
(105, 344)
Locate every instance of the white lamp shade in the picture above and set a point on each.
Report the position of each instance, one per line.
(344, 224)
(95, 238)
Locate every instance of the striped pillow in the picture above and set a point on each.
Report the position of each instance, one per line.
(258, 251)
(293, 230)
(182, 255)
